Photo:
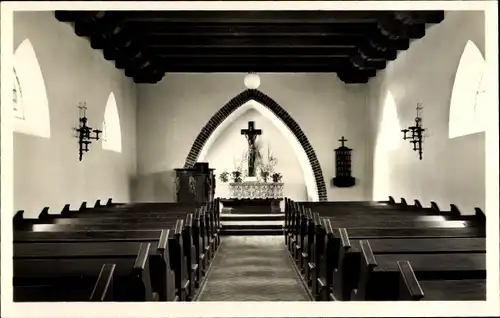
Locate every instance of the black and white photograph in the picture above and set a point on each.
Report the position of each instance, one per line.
(259, 158)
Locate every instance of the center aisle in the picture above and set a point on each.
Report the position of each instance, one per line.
(253, 268)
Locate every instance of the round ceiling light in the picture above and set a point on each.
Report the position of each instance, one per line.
(252, 81)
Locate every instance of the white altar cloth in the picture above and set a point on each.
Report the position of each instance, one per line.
(256, 190)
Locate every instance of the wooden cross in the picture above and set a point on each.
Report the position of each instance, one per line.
(342, 140)
(251, 132)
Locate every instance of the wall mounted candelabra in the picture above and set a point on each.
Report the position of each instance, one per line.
(84, 132)
(416, 133)
(343, 178)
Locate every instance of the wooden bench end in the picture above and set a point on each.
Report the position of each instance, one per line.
(19, 216)
(142, 256)
(368, 255)
(480, 214)
(83, 206)
(435, 207)
(328, 226)
(417, 204)
(454, 210)
(344, 238)
(409, 288)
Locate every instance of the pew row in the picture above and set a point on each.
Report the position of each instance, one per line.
(325, 244)
(189, 244)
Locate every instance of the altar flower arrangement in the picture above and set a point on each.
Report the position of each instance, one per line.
(264, 174)
(224, 177)
(266, 164)
(237, 172)
(237, 176)
(276, 177)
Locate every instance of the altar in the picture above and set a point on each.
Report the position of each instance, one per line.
(256, 190)
(249, 193)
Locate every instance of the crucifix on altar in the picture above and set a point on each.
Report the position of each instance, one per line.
(247, 195)
(251, 134)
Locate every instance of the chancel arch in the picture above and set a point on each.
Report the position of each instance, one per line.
(468, 109)
(257, 100)
(111, 130)
(30, 102)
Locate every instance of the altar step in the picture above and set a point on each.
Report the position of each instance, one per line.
(251, 210)
(252, 217)
(250, 232)
(252, 224)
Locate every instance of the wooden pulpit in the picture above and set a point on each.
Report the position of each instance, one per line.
(195, 186)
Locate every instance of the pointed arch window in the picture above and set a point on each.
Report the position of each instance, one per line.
(111, 130)
(30, 103)
(468, 108)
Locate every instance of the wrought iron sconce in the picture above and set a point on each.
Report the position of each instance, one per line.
(84, 131)
(416, 133)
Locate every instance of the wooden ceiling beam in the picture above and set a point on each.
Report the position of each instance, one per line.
(353, 44)
(249, 29)
(369, 52)
(396, 29)
(258, 41)
(312, 17)
(242, 51)
(288, 60)
(106, 33)
(413, 17)
(263, 67)
(361, 62)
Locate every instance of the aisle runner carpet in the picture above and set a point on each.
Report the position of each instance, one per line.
(252, 268)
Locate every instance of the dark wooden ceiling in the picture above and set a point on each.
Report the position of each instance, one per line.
(353, 44)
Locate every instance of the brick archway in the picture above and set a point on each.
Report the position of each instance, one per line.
(276, 109)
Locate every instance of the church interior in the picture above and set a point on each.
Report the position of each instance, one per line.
(190, 156)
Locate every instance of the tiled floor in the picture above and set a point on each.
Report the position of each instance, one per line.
(253, 268)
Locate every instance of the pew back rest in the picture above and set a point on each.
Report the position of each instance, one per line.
(368, 263)
(409, 288)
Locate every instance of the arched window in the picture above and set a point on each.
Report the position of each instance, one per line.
(30, 103)
(388, 140)
(111, 131)
(467, 107)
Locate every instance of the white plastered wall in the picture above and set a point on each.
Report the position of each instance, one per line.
(292, 162)
(452, 170)
(173, 112)
(46, 168)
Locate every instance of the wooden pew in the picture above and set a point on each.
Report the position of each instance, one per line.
(182, 281)
(307, 252)
(192, 267)
(378, 278)
(347, 256)
(198, 243)
(107, 223)
(116, 232)
(320, 276)
(206, 235)
(162, 273)
(54, 275)
(321, 283)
